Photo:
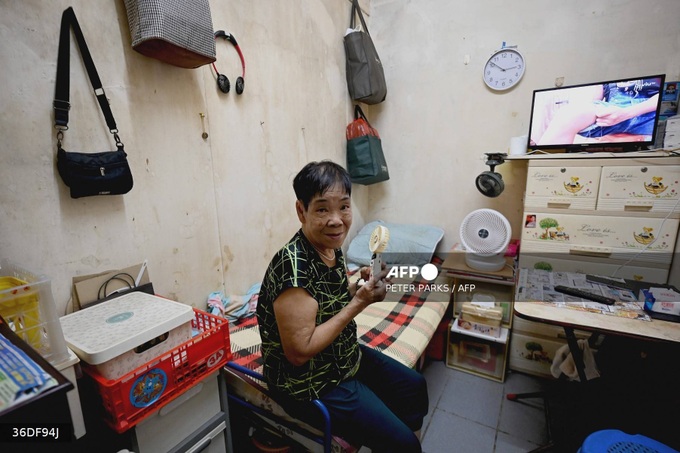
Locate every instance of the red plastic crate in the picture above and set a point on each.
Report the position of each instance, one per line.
(136, 395)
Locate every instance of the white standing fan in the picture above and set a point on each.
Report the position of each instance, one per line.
(485, 234)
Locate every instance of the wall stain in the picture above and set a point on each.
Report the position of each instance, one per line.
(91, 261)
(228, 257)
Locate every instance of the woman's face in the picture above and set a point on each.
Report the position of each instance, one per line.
(327, 219)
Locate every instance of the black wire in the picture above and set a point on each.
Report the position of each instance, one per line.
(131, 283)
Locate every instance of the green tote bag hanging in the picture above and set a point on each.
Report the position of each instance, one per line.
(366, 162)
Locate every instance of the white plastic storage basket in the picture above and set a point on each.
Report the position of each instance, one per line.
(123, 333)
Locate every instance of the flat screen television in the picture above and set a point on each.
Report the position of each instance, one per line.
(614, 116)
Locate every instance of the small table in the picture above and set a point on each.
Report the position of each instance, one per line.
(595, 323)
(569, 320)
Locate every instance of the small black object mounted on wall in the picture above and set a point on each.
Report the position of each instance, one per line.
(490, 183)
(222, 80)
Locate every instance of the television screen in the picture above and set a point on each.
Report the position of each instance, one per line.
(617, 115)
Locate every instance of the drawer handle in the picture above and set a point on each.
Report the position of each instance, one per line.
(559, 203)
(633, 205)
(590, 251)
(202, 446)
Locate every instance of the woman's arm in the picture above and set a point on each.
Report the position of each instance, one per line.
(295, 310)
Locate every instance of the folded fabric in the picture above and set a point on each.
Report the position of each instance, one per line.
(234, 307)
(564, 362)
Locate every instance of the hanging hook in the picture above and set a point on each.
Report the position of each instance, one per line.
(204, 134)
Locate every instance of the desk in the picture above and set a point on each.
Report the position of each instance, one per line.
(534, 302)
(655, 330)
(595, 322)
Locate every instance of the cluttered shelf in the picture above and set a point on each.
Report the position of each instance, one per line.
(31, 390)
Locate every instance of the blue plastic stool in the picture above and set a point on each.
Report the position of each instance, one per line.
(615, 441)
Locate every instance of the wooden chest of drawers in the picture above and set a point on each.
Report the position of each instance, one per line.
(614, 216)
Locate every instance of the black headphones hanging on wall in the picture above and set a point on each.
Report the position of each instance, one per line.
(222, 80)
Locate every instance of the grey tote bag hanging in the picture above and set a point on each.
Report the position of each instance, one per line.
(365, 75)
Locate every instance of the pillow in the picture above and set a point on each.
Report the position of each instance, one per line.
(408, 244)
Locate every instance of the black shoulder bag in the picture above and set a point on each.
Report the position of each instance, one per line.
(86, 174)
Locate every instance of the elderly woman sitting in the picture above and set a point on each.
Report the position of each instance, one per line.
(306, 311)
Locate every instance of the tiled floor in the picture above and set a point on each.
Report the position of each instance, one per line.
(471, 414)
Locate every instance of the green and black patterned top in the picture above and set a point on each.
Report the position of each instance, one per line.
(298, 265)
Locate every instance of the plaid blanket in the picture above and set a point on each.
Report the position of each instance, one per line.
(401, 329)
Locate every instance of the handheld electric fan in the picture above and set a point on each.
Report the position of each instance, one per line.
(377, 244)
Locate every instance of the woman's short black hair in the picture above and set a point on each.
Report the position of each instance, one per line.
(316, 178)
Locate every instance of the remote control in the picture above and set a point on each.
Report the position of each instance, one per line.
(613, 282)
(584, 294)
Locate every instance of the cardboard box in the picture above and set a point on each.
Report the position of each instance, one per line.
(481, 319)
(88, 289)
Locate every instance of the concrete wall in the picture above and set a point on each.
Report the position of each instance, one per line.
(440, 118)
(208, 214)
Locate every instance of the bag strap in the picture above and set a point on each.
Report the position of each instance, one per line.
(358, 113)
(61, 93)
(356, 9)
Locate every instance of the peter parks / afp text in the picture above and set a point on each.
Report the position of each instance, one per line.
(429, 272)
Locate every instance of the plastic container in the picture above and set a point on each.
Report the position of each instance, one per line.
(140, 393)
(27, 305)
(124, 333)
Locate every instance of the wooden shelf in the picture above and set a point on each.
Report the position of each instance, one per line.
(586, 155)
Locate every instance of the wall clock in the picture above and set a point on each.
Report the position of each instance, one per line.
(504, 69)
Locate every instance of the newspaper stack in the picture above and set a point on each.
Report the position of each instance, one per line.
(672, 135)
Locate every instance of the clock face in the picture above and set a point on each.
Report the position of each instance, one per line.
(504, 69)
